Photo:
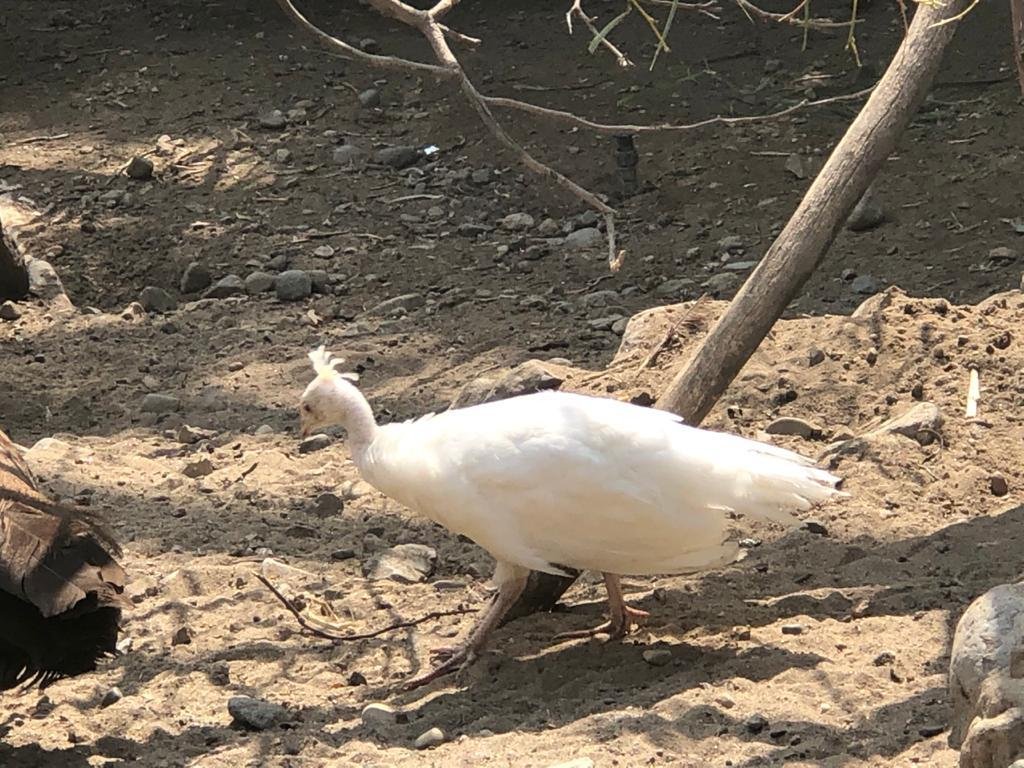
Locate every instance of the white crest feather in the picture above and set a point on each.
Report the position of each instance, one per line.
(326, 364)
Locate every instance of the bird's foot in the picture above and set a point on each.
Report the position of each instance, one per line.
(455, 659)
(616, 628)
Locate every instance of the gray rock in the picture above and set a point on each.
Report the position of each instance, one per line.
(1002, 255)
(140, 168)
(283, 155)
(405, 563)
(428, 739)
(481, 176)
(474, 392)
(112, 696)
(319, 279)
(731, 244)
(229, 285)
(923, 422)
(603, 323)
(792, 629)
(867, 214)
(864, 284)
(182, 636)
(720, 283)
(815, 357)
(658, 657)
(328, 505)
(256, 714)
(674, 288)
(348, 155)
(740, 266)
(258, 282)
(376, 715)
(44, 282)
(788, 425)
(273, 121)
(525, 379)
(407, 302)
(397, 157)
(195, 278)
(278, 263)
(293, 285)
(548, 227)
(154, 299)
(370, 98)
(9, 311)
(588, 237)
(517, 222)
(602, 299)
(314, 443)
(198, 468)
(985, 684)
(158, 403)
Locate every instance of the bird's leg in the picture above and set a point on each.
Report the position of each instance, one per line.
(511, 583)
(621, 617)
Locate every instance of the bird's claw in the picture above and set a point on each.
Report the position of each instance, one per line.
(457, 658)
(616, 628)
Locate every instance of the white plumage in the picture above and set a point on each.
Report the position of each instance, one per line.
(557, 479)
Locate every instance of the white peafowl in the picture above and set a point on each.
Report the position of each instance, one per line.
(554, 480)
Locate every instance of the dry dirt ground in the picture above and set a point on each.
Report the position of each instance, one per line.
(858, 676)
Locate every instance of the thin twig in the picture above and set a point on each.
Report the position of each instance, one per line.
(671, 333)
(329, 635)
(577, 9)
(38, 139)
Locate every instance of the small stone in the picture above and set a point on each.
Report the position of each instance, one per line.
(348, 155)
(229, 285)
(196, 469)
(343, 554)
(657, 657)
(133, 311)
(369, 45)
(323, 252)
(675, 288)
(815, 527)
(258, 282)
(930, 730)
(112, 696)
(256, 714)
(190, 435)
(397, 157)
(283, 155)
(195, 278)
(731, 244)
(182, 636)
(273, 121)
(404, 563)
(293, 285)
(357, 678)
(588, 237)
(526, 378)
(867, 214)
(721, 283)
(922, 423)
(140, 168)
(864, 284)
(327, 505)
(604, 323)
(157, 300)
(377, 714)
(795, 165)
(319, 279)
(370, 98)
(1002, 255)
(998, 486)
(428, 739)
(314, 443)
(755, 723)
(792, 629)
(481, 176)
(406, 302)
(815, 357)
(157, 403)
(9, 311)
(548, 227)
(884, 658)
(788, 425)
(517, 222)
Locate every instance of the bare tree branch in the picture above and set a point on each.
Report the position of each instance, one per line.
(576, 9)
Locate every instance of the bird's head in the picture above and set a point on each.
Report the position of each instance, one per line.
(330, 399)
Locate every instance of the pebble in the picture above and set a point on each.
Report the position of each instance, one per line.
(154, 299)
(884, 658)
(369, 45)
(1002, 254)
(319, 279)
(517, 222)
(182, 636)
(755, 723)
(158, 403)
(481, 176)
(867, 214)
(195, 278)
(720, 283)
(998, 486)
(864, 284)
(258, 282)
(283, 155)
(229, 285)
(112, 696)
(9, 311)
(548, 227)
(377, 714)
(788, 425)
(323, 252)
(348, 154)
(588, 237)
(343, 554)
(658, 657)
(314, 443)
(140, 168)
(404, 563)
(200, 468)
(814, 526)
(256, 714)
(792, 629)
(602, 299)
(731, 244)
(431, 738)
(328, 504)
(293, 285)
(932, 729)
(674, 288)
(399, 157)
(815, 357)
(273, 121)
(407, 302)
(370, 98)
(605, 323)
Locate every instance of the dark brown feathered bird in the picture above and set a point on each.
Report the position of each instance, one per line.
(61, 588)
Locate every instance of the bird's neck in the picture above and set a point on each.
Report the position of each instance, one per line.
(359, 421)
